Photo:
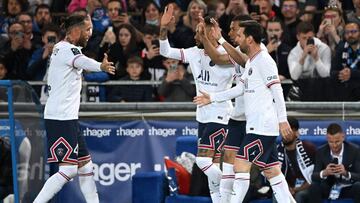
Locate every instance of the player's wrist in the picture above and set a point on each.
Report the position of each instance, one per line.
(221, 40)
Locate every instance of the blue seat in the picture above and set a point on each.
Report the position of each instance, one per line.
(149, 187)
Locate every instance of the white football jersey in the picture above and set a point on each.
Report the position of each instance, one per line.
(64, 81)
(261, 115)
(210, 77)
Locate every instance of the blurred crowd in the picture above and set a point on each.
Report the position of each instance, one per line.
(315, 44)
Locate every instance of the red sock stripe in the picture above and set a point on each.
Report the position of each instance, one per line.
(65, 176)
(87, 174)
(206, 168)
(228, 177)
(242, 178)
(277, 183)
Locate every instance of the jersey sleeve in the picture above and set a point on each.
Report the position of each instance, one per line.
(269, 72)
(180, 54)
(77, 60)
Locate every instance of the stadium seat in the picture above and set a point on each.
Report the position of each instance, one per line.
(149, 187)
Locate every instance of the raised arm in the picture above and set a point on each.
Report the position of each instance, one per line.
(235, 55)
(165, 49)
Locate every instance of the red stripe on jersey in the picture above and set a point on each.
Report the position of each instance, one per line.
(252, 58)
(182, 55)
(232, 60)
(273, 83)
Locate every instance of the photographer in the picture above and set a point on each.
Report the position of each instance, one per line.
(337, 168)
(310, 58)
(278, 50)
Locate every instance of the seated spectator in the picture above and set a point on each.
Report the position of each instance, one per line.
(265, 12)
(116, 13)
(290, 10)
(176, 85)
(150, 15)
(311, 58)
(42, 17)
(3, 69)
(278, 49)
(345, 68)
(11, 9)
(124, 47)
(180, 35)
(337, 168)
(34, 38)
(132, 93)
(16, 54)
(153, 61)
(309, 14)
(297, 162)
(354, 15)
(331, 28)
(95, 93)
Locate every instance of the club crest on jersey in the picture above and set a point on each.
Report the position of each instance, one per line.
(75, 51)
(250, 71)
(211, 63)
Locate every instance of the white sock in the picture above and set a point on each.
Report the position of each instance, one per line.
(281, 189)
(226, 183)
(213, 173)
(241, 186)
(54, 184)
(87, 183)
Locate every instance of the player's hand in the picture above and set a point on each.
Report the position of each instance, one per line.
(107, 66)
(216, 30)
(203, 99)
(285, 130)
(167, 18)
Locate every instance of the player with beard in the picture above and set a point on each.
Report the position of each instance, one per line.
(265, 114)
(213, 118)
(66, 144)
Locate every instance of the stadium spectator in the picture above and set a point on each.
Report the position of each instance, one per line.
(153, 61)
(124, 47)
(354, 15)
(308, 14)
(116, 13)
(11, 9)
(26, 20)
(331, 28)
(277, 48)
(180, 35)
(39, 60)
(264, 13)
(42, 17)
(297, 162)
(132, 93)
(290, 11)
(176, 83)
(16, 53)
(311, 58)
(345, 68)
(337, 168)
(3, 69)
(234, 8)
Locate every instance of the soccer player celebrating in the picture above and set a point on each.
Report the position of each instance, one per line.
(260, 86)
(212, 118)
(66, 144)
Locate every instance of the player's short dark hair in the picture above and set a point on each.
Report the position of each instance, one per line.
(333, 129)
(304, 27)
(294, 123)
(252, 28)
(42, 6)
(72, 21)
(135, 59)
(241, 18)
(50, 28)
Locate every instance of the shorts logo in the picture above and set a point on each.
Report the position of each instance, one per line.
(250, 71)
(60, 151)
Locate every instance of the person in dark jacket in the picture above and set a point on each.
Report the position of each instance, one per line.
(337, 168)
